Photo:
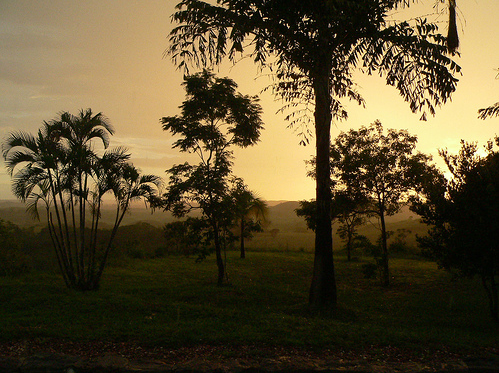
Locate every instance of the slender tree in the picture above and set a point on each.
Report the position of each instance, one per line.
(381, 168)
(60, 169)
(315, 46)
(352, 213)
(250, 212)
(214, 117)
(349, 210)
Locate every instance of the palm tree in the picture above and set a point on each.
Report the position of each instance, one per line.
(40, 179)
(248, 210)
(60, 168)
(77, 133)
(315, 47)
(127, 185)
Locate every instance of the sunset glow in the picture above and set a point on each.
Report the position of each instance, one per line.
(108, 56)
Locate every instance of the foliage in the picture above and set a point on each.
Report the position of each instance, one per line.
(352, 212)
(381, 168)
(60, 169)
(313, 49)
(250, 212)
(399, 243)
(13, 261)
(308, 210)
(490, 111)
(462, 214)
(188, 237)
(137, 241)
(214, 117)
(347, 209)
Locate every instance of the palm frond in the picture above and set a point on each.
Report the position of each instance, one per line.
(491, 111)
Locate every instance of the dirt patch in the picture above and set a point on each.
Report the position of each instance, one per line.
(76, 357)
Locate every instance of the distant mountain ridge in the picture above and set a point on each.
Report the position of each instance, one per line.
(15, 211)
(281, 215)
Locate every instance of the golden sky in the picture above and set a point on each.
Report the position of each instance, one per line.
(65, 55)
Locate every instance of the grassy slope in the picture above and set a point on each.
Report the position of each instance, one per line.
(173, 301)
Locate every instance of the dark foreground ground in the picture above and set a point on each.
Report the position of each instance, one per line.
(70, 357)
(167, 315)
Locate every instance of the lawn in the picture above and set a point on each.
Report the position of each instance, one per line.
(174, 302)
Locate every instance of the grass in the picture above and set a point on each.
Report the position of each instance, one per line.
(174, 301)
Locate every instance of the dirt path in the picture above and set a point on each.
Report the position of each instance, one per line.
(72, 357)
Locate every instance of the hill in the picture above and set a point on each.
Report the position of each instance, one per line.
(284, 230)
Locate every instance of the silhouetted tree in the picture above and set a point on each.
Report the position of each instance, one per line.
(349, 210)
(315, 46)
(308, 210)
(462, 216)
(60, 168)
(250, 212)
(213, 118)
(381, 168)
(188, 237)
(352, 213)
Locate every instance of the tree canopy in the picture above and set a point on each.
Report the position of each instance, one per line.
(249, 211)
(314, 47)
(214, 117)
(380, 168)
(462, 215)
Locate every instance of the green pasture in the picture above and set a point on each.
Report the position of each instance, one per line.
(174, 301)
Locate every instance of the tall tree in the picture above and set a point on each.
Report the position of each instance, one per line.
(315, 46)
(462, 214)
(214, 117)
(60, 169)
(381, 168)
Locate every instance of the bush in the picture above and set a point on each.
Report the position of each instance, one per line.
(137, 241)
(188, 237)
(399, 243)
(370, 270)
(363, 243)
(13, 260)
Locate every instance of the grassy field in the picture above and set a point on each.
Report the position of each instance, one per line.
(174, 301)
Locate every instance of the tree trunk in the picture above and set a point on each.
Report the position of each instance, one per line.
(385, 272)
(349, 244)
(323, 288)
(493, 296)
(243, 251)
(218, 252)
(495, 299)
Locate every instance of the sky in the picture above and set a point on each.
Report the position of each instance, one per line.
(68, 55)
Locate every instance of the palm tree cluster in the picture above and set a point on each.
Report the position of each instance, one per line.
(60, 169)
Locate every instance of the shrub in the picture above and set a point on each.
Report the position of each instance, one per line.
(13, 260)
